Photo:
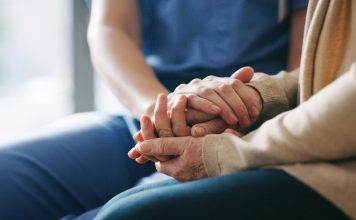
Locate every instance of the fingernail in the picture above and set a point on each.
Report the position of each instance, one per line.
(215, 109)
(199, 131)
(245, 121)
(254, 112)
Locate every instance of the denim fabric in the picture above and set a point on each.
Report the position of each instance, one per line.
(258, 194)
(71, 167)
(75, 166)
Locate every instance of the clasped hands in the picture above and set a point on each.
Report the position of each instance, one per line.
(173, 136)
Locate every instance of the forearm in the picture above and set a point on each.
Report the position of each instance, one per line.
(121, 64)
(321, 129)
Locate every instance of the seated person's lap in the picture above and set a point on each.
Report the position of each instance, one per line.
(76, 165)
(258, 194)
(73, 166)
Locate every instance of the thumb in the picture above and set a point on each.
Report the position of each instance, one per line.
(243, 74)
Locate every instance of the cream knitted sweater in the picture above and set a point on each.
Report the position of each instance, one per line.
(314, 140)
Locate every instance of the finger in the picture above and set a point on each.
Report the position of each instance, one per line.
(164, 146)
(194, 102)
(133, 153)
(244, 74)
(215, 126)
(179, 124)
(138, 136)
(232, 131)
(203, 105)
(205, 90)
(227, 92)
(161, 119)
(141, 160)
(147, 128)
(251, 99)
(171, 99)
(158, 158)
(208, 92)
(193, 117)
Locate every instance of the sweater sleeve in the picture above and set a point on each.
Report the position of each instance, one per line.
(320, 129)
(278, 92)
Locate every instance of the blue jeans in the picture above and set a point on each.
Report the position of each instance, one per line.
(71, 169)
(255, 194)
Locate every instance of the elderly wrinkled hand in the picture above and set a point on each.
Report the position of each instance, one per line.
(212, 97)
(185, 154)
(160, 126)
(179, 157)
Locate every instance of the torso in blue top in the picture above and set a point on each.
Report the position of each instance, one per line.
(186, 39)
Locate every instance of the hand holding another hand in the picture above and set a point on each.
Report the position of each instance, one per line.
(237, 104)
(179, 157)
(161, 125)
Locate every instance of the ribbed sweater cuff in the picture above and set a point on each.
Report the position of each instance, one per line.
(273, 96)
(210, 154)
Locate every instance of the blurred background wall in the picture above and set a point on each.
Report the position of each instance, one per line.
(45, 70)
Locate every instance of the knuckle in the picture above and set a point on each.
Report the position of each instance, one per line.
(180, 87)
(205, 91)
(194, 81)
(224, 88)
(209, 78)
(235, 83)
(164, 132)
(179, 130)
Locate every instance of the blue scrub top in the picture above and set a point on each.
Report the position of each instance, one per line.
(187, 39)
